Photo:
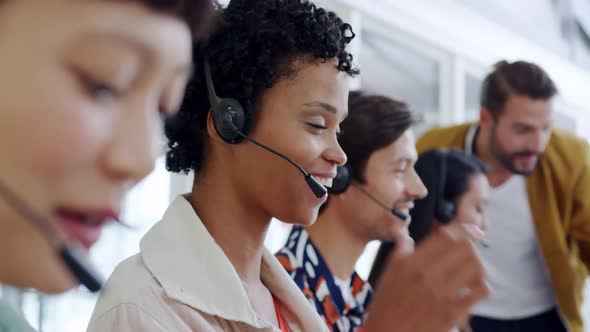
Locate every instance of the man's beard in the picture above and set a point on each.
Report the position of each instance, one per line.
(507, 159)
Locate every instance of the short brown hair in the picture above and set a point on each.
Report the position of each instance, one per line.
(373, 122)
(519, 78)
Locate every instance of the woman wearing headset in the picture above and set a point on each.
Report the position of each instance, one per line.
(84, 85)
(284, 65)
(460, 192)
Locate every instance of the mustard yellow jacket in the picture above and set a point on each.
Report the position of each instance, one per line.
(559, 199)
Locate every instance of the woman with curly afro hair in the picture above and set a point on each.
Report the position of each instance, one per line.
(204, 265)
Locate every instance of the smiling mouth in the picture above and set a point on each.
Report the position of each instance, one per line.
(405, 210)
(326, 182)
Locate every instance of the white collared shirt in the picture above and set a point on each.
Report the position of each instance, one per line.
(182, 281)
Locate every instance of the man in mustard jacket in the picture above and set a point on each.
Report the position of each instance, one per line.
(539, 232)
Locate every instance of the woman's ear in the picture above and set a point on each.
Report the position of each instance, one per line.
(211, 131)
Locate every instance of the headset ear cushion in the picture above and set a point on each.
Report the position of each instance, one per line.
(230, 119)
(446, 212)
(342, 180)
(444, 209)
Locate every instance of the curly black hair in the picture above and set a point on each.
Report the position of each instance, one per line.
(254, 45)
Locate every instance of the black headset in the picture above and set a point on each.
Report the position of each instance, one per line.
(343, 180)
(229, 116)
(232, 121)
(444, 210)
(74, 258)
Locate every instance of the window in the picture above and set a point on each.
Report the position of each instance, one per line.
(472, 97)
(391, 68)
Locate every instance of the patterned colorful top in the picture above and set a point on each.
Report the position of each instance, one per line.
(308, 269)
